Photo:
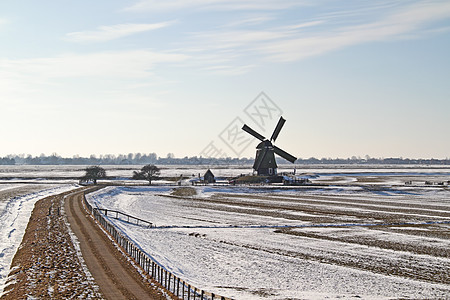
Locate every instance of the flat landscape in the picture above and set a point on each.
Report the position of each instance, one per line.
(363, 235)
(352, 232)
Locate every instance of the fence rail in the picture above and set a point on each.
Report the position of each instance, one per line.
(124, 217)
(173, 284)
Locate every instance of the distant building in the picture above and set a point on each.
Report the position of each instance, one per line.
(209, 177)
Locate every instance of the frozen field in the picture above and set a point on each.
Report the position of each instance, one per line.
(334, 173)
(316, 242)
(251, 243)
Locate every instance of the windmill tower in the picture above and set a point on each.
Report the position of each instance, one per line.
(265, 163)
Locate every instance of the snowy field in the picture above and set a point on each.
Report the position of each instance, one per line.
(16, 204)
(302, 243)
(274, 243)
(334, 173)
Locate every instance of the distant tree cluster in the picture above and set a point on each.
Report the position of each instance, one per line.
(7, 161)
(123, 159)
(372, 161)
(148, 172)
(170, 159)
(94, 173)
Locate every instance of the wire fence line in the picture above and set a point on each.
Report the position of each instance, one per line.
(173, 284)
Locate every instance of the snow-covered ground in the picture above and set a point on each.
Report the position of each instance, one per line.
(347, 173)
(251, 243)
(16, 204)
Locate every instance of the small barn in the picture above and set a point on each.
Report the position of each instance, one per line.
(209, 177)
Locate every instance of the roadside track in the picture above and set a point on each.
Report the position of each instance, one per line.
(114, 275)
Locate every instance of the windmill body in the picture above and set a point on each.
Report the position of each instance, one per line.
(265, 163)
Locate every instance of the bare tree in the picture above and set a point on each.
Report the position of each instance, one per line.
(94, 173)
(148, 172)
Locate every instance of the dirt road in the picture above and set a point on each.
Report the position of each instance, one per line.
(112, 272)
(47, 265)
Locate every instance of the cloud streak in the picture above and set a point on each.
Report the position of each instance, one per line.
(406, 21)
(125, 64)
(21, 78)
(108, 33)
(297, 41)
(171, 5)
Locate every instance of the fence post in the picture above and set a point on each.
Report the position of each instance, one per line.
(174, 283)
(165, 279)
(178, 287)
(168, 286)
(189, 292)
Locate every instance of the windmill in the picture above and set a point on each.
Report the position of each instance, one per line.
(265, 164)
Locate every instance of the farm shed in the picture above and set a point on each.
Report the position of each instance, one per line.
(209, 177)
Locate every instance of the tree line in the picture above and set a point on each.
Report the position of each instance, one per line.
(170, 159)
(94, 173)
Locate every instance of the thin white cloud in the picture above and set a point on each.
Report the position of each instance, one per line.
(404, 22)
(239, 38)
(229, 69)
(17, 76)
(170, 5)
(107, 33)
(304, 25)
(315, 37)
(3, 21)
(250, 21)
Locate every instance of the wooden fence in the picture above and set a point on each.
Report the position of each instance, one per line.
(173, 284)
(124, 217)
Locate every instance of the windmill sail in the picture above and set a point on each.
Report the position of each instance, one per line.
(284, 154)
(254, 133)
(277, 130)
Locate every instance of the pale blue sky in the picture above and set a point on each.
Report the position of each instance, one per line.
(109, 77)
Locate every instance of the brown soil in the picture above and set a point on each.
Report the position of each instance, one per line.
(184, 191)
(47, 265)
(112, 271)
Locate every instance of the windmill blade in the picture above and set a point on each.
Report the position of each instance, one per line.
(284, 154)
(252, 132)
(277, 130)
(260, 158)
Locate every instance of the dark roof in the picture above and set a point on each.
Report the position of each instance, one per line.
(208, 173)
